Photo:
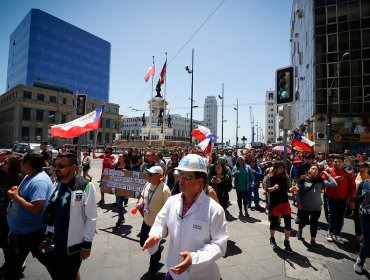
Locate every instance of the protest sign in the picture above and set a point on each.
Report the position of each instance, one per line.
(123, 183)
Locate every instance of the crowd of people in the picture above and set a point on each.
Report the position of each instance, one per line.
(48, 205)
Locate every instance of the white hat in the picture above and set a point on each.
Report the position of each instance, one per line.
(155, 170)
(193, 163)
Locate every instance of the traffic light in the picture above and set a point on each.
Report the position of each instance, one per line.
(81, 104)
(284, 85)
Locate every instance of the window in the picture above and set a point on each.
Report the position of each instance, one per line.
(107, 109)
(332, 42)
(38, 134)
(64, 100)
(113, 110)
(39, 115)
(26, 115)
(40, 97)
(107, 123)
(25, 133)
(51, 117)
(107, 137)
(27, 94)
(63, 120)
(52, 99)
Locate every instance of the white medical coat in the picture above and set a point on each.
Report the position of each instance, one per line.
(202, 232)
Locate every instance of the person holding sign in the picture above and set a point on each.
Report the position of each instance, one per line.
(152, 199)
(195, 223)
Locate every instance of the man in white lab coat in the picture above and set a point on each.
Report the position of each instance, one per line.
(196, 225)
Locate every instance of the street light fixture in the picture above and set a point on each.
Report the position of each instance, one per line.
(222, 115)
(191, 71)
(237, 124)
(328, 103)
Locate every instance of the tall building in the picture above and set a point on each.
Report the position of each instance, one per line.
(330, 51)
(46, 51)
(270, 117)
(210, 114)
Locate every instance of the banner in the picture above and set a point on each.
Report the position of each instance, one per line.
(123, 183)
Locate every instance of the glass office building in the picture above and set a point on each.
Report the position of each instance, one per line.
(330, 41)
(48, 52)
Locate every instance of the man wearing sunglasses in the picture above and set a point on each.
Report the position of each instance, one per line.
(71, 216)
(195, 223)
(152, 199)
(25, 215)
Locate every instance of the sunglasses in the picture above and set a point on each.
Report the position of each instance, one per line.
(186, 176)
(61, 165)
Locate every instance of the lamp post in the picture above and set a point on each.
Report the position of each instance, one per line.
(328, 104)
(191, 71)
(222, 115)
(237, 124)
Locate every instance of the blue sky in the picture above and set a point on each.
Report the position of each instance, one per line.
(241, 45)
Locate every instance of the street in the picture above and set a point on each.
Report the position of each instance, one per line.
(116, 254)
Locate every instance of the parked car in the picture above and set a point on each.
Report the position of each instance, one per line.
(22, 148)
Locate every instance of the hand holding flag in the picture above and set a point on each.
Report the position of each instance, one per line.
(204, 135)
(302, 142)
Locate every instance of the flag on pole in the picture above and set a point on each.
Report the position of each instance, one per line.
(150, 73)
(302, 142)
(78, 126)
(163, 73)
(204, 135)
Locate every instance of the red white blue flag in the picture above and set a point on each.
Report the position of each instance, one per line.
(150, 73)
(302, 142)
(163, 73)
(204, 135)
(78, 126)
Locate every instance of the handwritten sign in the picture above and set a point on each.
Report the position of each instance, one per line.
(123, 183)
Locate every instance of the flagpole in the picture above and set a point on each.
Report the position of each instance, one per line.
(164, 99)
(151, 111)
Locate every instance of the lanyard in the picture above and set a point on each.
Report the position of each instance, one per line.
(150, 197)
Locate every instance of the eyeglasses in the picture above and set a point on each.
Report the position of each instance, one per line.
(5, 161)
(61, 165)
(149, 155)
(186, 176)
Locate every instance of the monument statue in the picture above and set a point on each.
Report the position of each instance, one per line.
(160, 118)
(143, 119)
(158, 89)
(169, 119)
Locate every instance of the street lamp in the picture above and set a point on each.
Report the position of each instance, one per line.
(222, 115)
(191, 71)
(237, 123)
(328, 103)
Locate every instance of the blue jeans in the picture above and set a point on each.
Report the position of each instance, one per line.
(242, 199)
(365, 226)
(256, 197)
(120, 200)
(337, 211)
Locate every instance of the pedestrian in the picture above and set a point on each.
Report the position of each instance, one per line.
(337, 199)
(25, 215)
(196, 225)
(257, 174)
(86, 165)
(220, 182)
(148, 161)
(362, 176)
(71, 216)
(108, 160)
(153, 197)
(10, 175)
(243, 181)
(277, 183)
(171, 165)
(122, 163)
(309, 193)
(362, 197)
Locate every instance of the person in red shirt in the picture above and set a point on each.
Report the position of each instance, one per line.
(108, 160)
(337, 198)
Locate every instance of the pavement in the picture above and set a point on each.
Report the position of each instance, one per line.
(116, 254)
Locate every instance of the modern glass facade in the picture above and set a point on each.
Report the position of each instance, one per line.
(46, 50)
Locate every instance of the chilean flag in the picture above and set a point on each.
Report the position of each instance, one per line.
(78, 126)
(150, 73)
(302, 142)
(204, 135)
(163, 73)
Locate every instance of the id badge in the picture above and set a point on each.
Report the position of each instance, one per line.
(146, 210)
(78, 196)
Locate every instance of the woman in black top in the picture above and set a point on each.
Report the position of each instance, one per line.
(123, 163)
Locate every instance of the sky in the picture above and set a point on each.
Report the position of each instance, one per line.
(240, 43)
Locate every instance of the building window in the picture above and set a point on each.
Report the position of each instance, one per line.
(38, 134)
(64, 100)
(25, 133)
(63, 120)
(113, 110)
(40, 97)
(39, 115)
(26, 115)
(27, 94)
(52, 99)
(51, 117)
(107, 123)
(107, 137)
(107, 109)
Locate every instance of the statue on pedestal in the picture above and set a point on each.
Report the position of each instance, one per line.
(169, 121)
(158, 89)
(160, 118)
(143, 119)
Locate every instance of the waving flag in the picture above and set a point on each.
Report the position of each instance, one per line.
(163, 73)
(78, 126)
(302, 142)
(150, 73)
(204, 135)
